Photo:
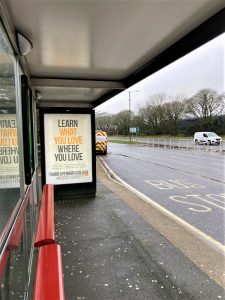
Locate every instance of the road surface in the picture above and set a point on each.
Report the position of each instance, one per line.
(188, 184)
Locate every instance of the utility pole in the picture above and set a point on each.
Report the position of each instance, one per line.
(129, 93)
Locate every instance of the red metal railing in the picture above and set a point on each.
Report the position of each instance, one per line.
(46, 227)
(49, 283)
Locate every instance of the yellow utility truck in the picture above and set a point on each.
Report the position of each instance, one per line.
(101, 142)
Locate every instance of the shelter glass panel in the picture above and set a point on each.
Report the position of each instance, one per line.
(9, 159)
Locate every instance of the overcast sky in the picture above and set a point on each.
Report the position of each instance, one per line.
(202, 68)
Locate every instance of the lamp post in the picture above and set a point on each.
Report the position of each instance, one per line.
(129, 93)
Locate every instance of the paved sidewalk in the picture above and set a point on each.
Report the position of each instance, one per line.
(111, 252)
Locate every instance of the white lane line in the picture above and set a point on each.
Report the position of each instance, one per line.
(171, 215)
(219, 164)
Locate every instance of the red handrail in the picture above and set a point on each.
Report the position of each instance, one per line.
(49, 283)
(3, 262)
(46, 229)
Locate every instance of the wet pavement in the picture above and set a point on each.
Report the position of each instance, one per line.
(111, 252)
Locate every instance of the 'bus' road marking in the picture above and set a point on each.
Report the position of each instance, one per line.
(182, 184)
(163, 210)
(171, 184)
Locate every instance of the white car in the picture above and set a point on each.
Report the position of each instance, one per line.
(209, 138)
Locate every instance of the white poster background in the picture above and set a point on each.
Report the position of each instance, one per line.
(68, 148)
(9, 160)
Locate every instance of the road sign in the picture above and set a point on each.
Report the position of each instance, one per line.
(134, 129)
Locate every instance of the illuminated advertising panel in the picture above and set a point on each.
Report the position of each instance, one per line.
(9, 161)
(68, 148)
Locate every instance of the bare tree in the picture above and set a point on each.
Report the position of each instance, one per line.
(175, 111)
(205, 105)
(104, 121)
(153, 114)
(157, 99)
(121, 121)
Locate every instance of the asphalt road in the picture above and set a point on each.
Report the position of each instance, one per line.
(189, 184)
(116, 247)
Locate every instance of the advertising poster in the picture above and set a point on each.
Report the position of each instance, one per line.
(9, 160)
(68, 154)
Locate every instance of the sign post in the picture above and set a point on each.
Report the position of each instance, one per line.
(134, 130)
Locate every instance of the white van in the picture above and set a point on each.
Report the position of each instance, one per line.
(209, 138)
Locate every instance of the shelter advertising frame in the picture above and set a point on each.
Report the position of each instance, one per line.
(68, 159)
(28, 130)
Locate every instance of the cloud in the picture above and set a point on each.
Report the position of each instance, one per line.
(202, 68)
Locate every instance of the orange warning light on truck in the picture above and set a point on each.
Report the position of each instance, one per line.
(101, 142)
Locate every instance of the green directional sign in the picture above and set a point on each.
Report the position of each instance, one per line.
(134, 129)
